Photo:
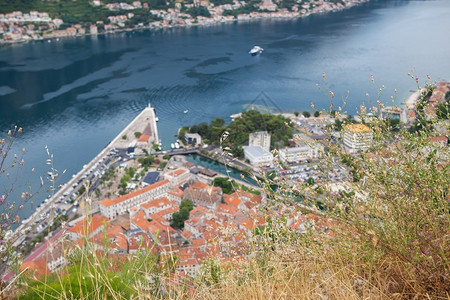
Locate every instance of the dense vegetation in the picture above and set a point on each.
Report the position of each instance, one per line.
(80, 11)
(196, 11)
(239, 130)
(182, 215)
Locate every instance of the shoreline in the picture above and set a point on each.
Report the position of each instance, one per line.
(410, 102)
(17, 236)
(248, 18)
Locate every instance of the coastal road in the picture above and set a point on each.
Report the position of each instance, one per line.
(139, 123)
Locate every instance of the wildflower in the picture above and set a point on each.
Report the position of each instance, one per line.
(426, 251)
(417, 79)
(428, 189)
(409, 212)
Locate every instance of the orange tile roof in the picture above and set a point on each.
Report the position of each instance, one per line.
(140, 220)
(227, 209)
(242, 195)
(109, 202)
(233, 200)
(200, 185)
(204, 192)
(200, 210)
(141, 240)
(39, 266)
(115, 233)
(177, 172)
(254, 221)
(176, 192)
(193, 221)
(166, 211)
(94, 223)
(143, 138)
(296, 224)
(198, 242)
(153, 227)
(187, 253)
(159, 202)
(190, 262)
(250, 204)
(186, 234)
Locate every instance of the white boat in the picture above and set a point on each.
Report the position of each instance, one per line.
(177, 145)
(186, 111)
(172, 145)
(156, 119)
(256, 50)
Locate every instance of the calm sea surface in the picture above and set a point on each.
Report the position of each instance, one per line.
(75, 95)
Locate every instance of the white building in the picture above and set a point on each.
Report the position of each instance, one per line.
(258, 156)
(357, 137)
(295, 154)
(55, 258)
(260, 138)
(113, 208)
(177, 176)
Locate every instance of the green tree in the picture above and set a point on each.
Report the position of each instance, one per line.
(237, 150)
(82, 190)
(179, 217)
(146, 161)
(224, 183)
(137, 134)
(316, 113)
(306, 114)
(196, 11)
(296, 113)
(187, 204)
(155, 147)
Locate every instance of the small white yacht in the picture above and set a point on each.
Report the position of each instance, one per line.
(256, 50)
(186, 111)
